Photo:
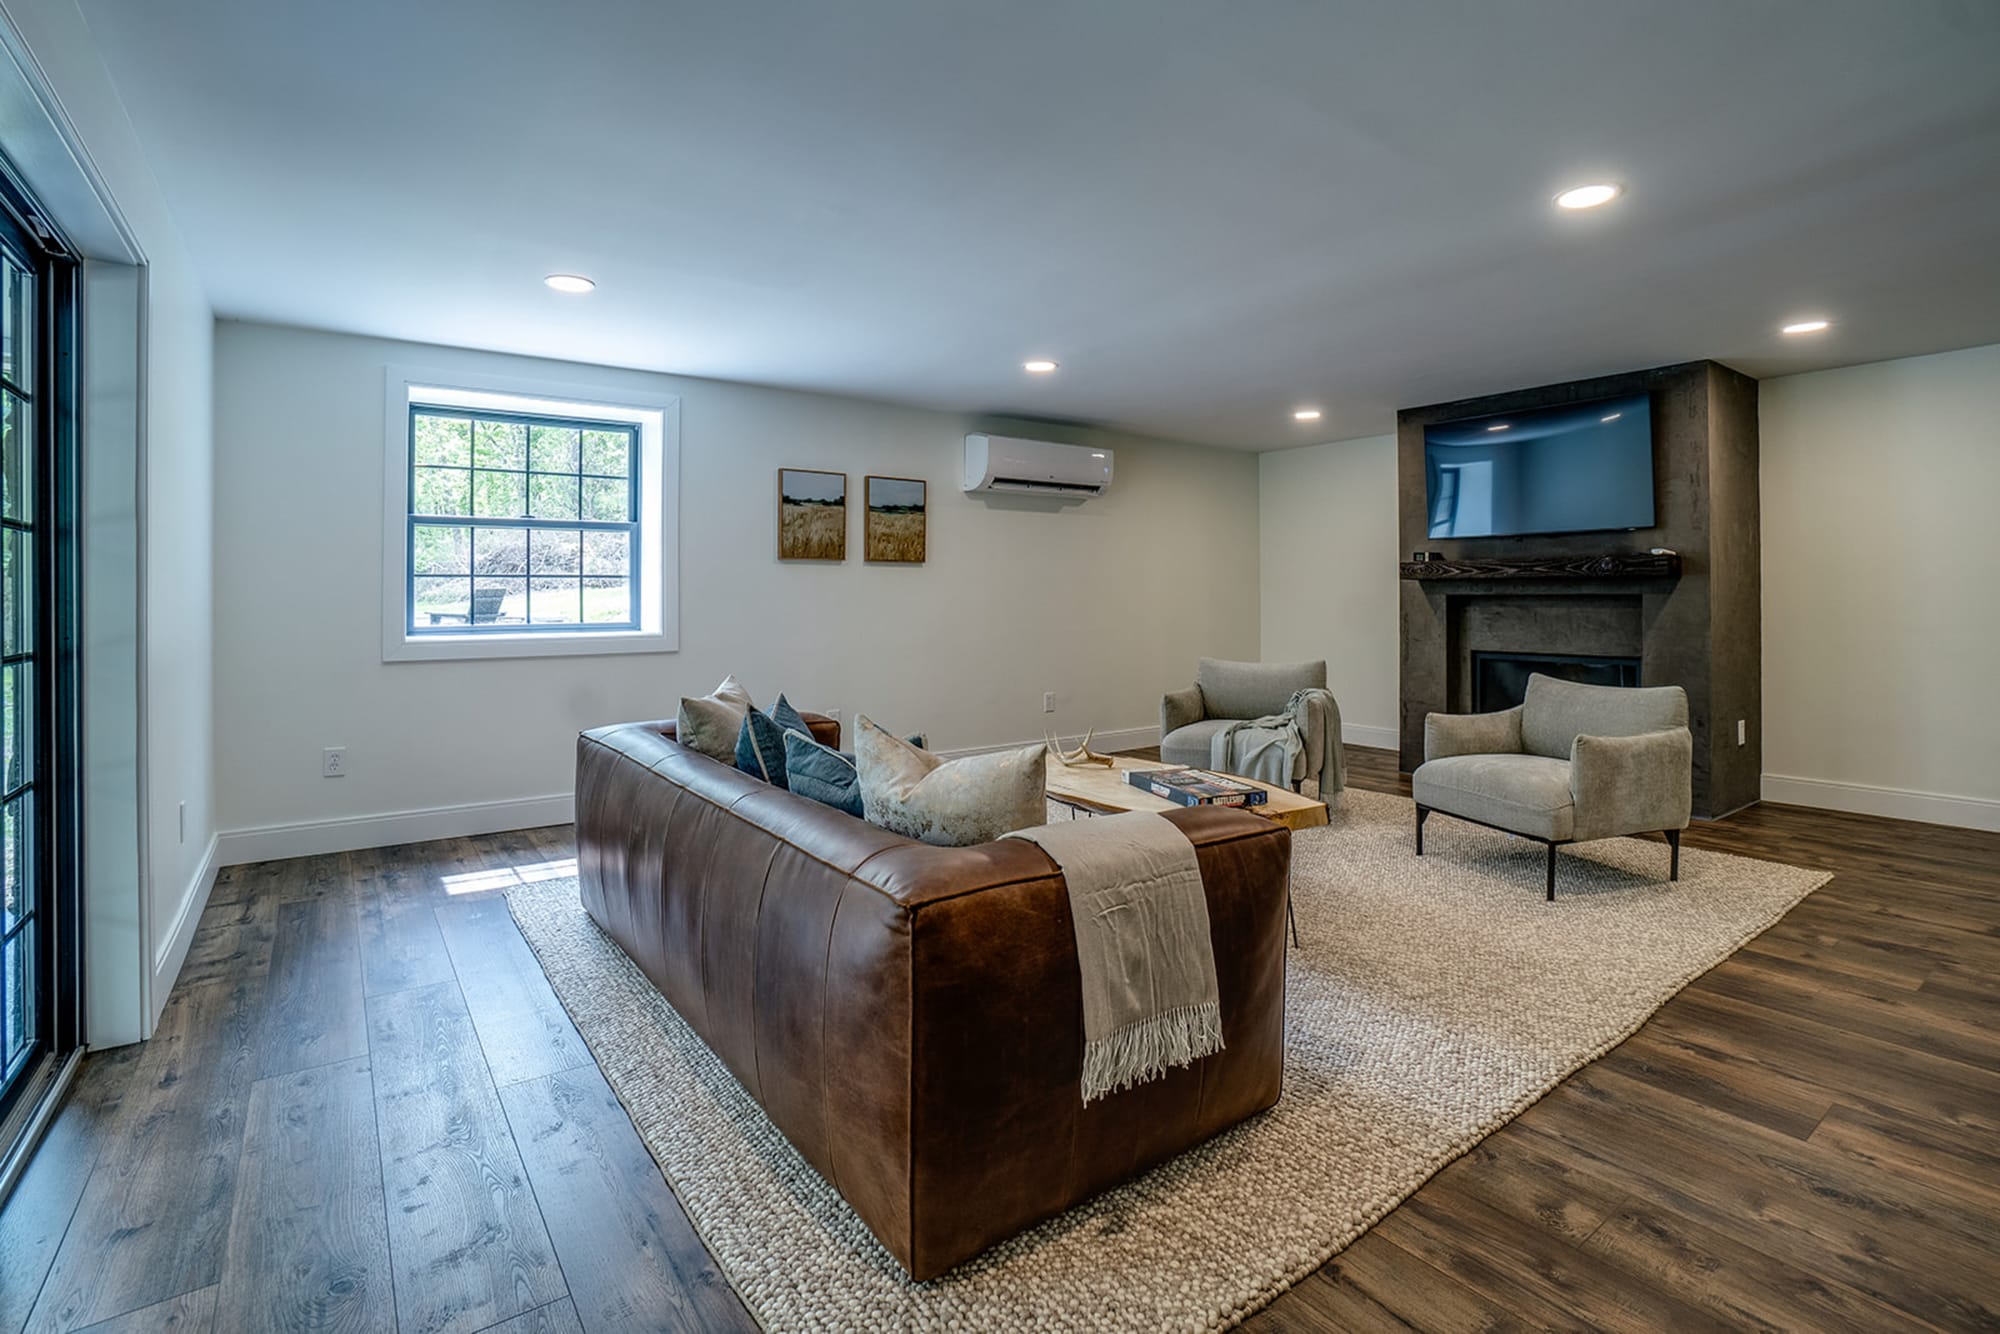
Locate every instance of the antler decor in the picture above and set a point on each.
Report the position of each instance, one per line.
(1082, 757)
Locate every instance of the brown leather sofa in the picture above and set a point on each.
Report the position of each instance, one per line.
(910, 1016)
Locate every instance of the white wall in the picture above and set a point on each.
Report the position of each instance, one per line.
(174, 638)
(1327, 582)
(1107, 603)
(1881, 489)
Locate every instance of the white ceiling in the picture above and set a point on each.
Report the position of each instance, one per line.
(1208, 213)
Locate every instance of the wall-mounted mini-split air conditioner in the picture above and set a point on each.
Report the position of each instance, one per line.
(1035, 467)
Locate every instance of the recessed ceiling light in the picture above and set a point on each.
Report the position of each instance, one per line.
(1039, 366)
(1612, 418)
(1306, 415)
(1501, 426)
(1808, 326)
(569, 282)
(1589, 196)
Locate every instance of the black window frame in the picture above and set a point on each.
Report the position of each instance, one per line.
(631, 525)
(55, 913)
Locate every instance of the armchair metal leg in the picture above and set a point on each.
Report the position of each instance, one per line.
(1674, 864)
(1552, 873)
(1422, 812)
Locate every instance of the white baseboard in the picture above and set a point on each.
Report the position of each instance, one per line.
(1360, 734)
(1103, 742)
(315, 838)
(1894, 802)
(167, 960)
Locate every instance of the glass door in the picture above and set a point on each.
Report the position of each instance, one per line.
(38, 959)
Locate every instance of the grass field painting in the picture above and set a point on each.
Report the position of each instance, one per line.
(895, 522)
(812, 514)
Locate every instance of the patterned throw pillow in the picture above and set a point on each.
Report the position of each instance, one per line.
(822, 773)
(760, 747)
(950, 803)
(710, 724)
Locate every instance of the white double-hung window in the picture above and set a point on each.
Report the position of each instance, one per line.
(527, 519)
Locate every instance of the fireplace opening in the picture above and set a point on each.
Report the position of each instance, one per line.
(1500, 680)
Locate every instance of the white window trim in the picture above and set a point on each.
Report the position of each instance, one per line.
(658, 419)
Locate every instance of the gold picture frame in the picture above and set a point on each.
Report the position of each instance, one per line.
(812, 515)
(895, 526)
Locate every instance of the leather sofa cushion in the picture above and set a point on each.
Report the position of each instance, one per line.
(1528, 794)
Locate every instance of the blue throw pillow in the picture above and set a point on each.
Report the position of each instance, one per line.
(788, 718)
(760, 748)
(822, 773)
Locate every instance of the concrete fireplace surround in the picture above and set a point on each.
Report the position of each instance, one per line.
(1700, 630)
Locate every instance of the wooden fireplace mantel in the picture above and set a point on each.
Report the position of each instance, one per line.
(1617, 565)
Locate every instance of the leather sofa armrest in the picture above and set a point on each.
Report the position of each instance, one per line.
(1179, 709)
(1632, 784)
(1448, 734)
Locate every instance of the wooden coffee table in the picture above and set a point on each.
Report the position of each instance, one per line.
(1097, 789)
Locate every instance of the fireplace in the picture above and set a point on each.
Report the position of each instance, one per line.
(1500, 680)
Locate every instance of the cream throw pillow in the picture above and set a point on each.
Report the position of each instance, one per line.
(951, 803)
(710, 724)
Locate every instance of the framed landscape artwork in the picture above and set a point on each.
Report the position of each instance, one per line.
(812, 514)
(893, 528)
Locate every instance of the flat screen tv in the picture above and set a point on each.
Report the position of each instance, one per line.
(1578, 468)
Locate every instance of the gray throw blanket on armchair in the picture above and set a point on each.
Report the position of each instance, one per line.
(1150, 1000)
(1278, 748)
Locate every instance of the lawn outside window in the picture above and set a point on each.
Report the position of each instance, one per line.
(526, 520)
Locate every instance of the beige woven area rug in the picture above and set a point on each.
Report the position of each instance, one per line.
(1431, 1001)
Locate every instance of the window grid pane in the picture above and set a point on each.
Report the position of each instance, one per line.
(543, 492)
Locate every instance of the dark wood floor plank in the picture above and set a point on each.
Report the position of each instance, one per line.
(319, 877)
(1734, 1281)
(1800, 1209)
(555, 1318)
(465, 1234)
(189, 1313)
(315, 1002)
(45, 1198)
(232, 940)
(629, 1253)
(523, 1028)
(1376, 1284)
(1546, 1274)
(401, 946)
(1944, 1158)
(309, 1237)
(154, 1216)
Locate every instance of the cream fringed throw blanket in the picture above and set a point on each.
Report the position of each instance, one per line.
(1149, 993)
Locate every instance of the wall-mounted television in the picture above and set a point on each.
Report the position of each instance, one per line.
(1578, 468)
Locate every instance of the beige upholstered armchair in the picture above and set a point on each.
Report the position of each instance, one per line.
(1228, 694)
(1569, 764)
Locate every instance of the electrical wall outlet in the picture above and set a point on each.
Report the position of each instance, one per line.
(333, 762)
(1742, 732)
(1048, 701)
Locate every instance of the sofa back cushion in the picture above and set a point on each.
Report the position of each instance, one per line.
(950, 803)
(1253, 689)
(1554, 713)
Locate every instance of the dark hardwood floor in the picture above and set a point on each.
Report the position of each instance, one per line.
(365, 1110)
